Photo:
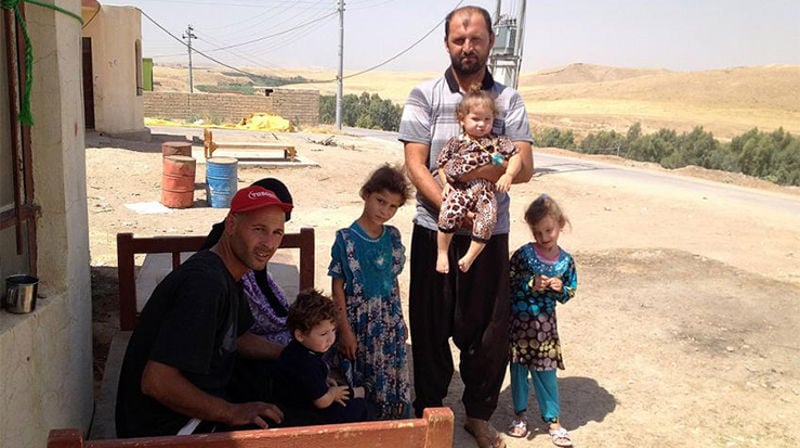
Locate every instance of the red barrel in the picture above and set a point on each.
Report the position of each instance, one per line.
(177, 181)
(176, 149)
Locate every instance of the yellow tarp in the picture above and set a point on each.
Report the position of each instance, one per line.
(265, 122)
(253, 122)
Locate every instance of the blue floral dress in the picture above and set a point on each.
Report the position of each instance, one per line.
(534, 330)
(369, 268)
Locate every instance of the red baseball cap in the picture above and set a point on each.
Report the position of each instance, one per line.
(255, 197)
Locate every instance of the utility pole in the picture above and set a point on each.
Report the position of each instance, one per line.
(189, 35)
(339, 76)
(505, 59)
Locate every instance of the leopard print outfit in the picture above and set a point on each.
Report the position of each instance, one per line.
(459, 156)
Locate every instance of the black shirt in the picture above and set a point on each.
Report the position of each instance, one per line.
(191, 323)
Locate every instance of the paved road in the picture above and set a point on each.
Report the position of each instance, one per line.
(552, 164)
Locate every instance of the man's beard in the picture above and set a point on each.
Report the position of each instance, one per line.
(469, 68)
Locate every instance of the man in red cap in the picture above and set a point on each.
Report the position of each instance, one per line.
(177, 371)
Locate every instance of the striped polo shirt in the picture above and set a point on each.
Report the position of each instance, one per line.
(429, 117)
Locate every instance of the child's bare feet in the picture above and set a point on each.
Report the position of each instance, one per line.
(442, 263)
(465, 263)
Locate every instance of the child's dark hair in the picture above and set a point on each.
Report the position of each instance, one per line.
(309, 310)
(387, 178)
(543, 206)
(475, 97)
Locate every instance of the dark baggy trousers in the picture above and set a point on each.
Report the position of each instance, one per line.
(473, 308)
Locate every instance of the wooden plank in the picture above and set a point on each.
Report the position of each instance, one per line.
(433, 430)
(243, 154)
(253, 145)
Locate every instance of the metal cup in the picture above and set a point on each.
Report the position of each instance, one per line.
(21, 292)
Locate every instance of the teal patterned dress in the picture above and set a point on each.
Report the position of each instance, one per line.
(369, 268)
(534, 329)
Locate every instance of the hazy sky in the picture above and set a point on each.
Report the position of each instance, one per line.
(672, 34)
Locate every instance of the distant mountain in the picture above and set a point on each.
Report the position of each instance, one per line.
(579, 73)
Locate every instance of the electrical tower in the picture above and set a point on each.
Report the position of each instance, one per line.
(189, 35)
(505, 60)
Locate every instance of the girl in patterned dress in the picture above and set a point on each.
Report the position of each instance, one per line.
(541, 274)
(366, 259)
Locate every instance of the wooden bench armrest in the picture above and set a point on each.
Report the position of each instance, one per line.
(433, 430)
(128, 246)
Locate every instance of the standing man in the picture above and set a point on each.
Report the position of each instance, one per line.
(177, 373)
(473, 307)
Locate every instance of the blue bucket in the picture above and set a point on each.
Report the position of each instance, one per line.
(221, 181)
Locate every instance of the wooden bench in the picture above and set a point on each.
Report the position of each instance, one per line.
(128, 246)
(433, 430)
(245, 150)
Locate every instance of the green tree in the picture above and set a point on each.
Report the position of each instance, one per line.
(554, 138)
(364, 111)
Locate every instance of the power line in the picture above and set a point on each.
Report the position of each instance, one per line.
(196, 51)
(278, 33)
(409, 48)
(275, 14)
(353, 75)
(243, 5)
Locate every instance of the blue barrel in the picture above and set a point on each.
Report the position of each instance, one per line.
(221, 181)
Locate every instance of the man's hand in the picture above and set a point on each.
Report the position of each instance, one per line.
(489, 172)
(256, 413)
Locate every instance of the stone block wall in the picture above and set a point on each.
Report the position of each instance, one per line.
(299, 106)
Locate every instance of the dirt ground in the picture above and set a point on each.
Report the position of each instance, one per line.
(683, 330)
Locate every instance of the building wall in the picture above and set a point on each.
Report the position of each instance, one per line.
(299, 106)
(114, 31)
(46, 368)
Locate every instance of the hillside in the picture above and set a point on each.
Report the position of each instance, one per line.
(726, 102)
(585, 97)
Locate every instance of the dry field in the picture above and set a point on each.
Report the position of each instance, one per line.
(589, 98)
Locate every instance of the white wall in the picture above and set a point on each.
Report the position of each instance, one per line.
(114, 32)
(46, 356)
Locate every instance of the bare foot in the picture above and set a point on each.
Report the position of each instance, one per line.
(465, 263)
(442, 263)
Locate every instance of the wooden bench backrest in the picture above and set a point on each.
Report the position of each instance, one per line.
(433, 430)
(128, 246)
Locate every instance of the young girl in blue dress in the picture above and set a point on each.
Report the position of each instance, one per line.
(366, 259)
(542, 274)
